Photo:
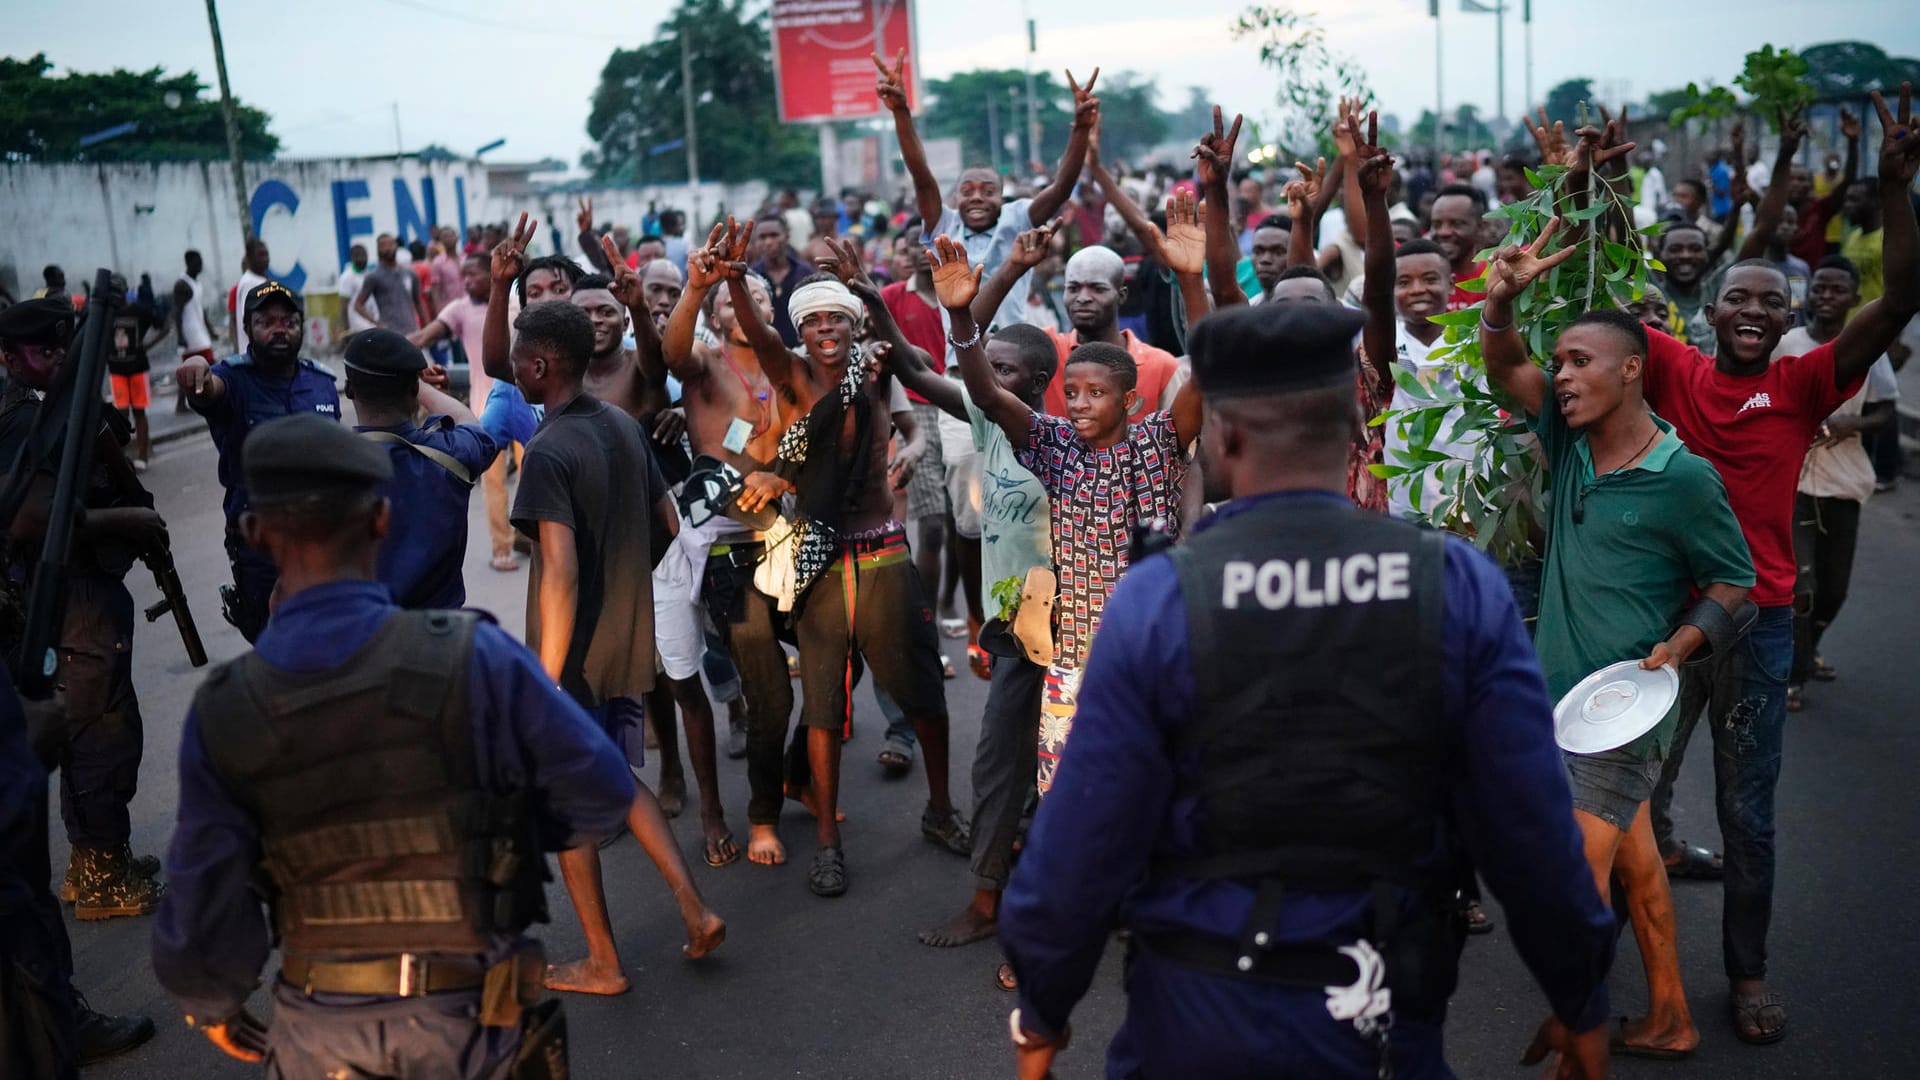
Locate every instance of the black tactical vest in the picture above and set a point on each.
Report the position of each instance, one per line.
(377, 835)
(1315, 632)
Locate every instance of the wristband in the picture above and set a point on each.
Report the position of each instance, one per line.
(978, 330)
(1487, 326)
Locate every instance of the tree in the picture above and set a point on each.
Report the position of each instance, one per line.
(1131, 120)
(1311, 77)
(44, 117)
(1465, 131)
(1845, 70)
(638, 116)
(1196, 116)
(1563, 102)
(957, 109)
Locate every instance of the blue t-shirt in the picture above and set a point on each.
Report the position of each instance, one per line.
(426, 543)
(253, 398)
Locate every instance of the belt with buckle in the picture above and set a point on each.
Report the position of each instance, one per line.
(406, 975)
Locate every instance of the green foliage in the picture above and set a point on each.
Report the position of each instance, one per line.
(1311, 77)
(43, 117)
(638, 105)
(1006, 593)
(1466, 131)
(1777, 83)
(1564, 100)
(1494, 497)
(1841, 70)
(957, 108)
(1712, 103)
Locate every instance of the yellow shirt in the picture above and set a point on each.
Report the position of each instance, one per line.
(1822, 187)
(1863, 249)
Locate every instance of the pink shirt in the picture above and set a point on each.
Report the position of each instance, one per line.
(466, 320)
(447, 285)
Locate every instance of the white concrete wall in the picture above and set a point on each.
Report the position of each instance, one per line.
(624, 206)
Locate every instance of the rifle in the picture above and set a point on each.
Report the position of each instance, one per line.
(173, 599)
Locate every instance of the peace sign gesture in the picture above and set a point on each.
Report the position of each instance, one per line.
(625, 285)
(892, 84)
(1086, 107)
(1031, 247)
(1899, 142)
(1551, 137)
(1215, 151)
(510, 255)
(584, 218)
(1301, 191)
(1513, 267)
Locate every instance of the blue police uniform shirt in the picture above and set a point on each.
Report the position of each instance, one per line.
(211, 937)
(1116, 785)
(426, 543)
(253, 398)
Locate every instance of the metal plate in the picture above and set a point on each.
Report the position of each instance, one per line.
(1614, 706)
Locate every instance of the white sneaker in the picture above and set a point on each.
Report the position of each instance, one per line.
(139, 464)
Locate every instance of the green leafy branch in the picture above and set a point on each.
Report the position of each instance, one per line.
(1006, 592)
(1493, 495)
(1776, 82)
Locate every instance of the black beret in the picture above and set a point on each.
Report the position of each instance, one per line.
(1273, 349)
(46, 322)
(269, 291)
(383, 352)
(306, 454)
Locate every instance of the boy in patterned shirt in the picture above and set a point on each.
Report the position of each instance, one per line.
(1103, 476)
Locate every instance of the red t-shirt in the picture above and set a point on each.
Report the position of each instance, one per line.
(1755, 429)
(920, 324)
(1155, 368)
(1810, 235)
(1466, 298)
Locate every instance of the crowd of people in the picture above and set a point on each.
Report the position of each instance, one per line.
(1122, 433)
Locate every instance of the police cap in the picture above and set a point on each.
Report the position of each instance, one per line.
(1272, 349)
(303, 455)
(383, 352)
(47, 322)
(268, 292)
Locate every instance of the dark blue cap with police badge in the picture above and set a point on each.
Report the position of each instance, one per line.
(46, 322)
(1272, 349)
(271, 292)
(306, 455)
(383, 352)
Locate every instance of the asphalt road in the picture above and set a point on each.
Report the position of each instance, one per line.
(840, 988)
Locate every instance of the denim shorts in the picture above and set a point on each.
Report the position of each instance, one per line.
(1612, 784)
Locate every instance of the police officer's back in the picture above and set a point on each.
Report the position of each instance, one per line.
(391, 779)
(1298, 726)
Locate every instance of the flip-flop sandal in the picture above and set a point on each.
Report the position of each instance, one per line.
(506, 564)
(1033, 621)
(1618, 1045)
(1478, 921)
(1796, 699)
(1746, 1017)
(1005, 979)
(946, 668)
(728, 847)
(828, 874)
(980, 661)
(953, 628)
(949, 831)
(895, 762)
(1695, 864)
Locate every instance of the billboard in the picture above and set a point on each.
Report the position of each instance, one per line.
(820, 56)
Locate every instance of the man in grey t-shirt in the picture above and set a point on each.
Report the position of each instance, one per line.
(393, 290)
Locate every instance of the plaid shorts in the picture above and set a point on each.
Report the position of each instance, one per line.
(927, 487)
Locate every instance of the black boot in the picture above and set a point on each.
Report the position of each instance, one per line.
(101, 1036)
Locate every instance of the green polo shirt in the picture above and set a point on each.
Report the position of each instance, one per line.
(1619, 580)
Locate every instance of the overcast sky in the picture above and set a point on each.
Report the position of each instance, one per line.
(466, 72)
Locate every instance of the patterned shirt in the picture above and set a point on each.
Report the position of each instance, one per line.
(1098, 497)
(1368, 491)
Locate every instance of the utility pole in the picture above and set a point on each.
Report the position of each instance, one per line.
(1439, 91)
(1033, 111)
(233, 127)
(693, 143)
(1500, 58)
(399, 147)
(1526, 24)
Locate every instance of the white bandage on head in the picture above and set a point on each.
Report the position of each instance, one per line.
(1096, 263)
(824, 296)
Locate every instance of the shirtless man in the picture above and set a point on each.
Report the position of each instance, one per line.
(835, 459)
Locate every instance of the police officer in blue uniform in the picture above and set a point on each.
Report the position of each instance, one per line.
(269, 380)
(387, 781)
(1298, 732)
(435, 463)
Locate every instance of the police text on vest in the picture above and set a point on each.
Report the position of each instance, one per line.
(1306, 583)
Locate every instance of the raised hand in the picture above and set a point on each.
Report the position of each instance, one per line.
(1086, 107)
(1849, 124)
(1514, 267)
(1738, 140)
(1899, 142)
(1215, 151)
(1312, 181)
(953, 283)
(704, 267)
(625, 285)
(1184, 249)
(585, 217)
(844, 264)
(510, 255)
(1550, 137)
(739, 236)
(892, 84)
(1031, 247)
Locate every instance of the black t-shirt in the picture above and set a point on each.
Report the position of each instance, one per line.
(125, 354)
(589, 468)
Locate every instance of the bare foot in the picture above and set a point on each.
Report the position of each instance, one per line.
(764, 847)
(1678, 1036)
(672, 794)
(805, 797)
(581, 977)
(963, 929)
(704, 935)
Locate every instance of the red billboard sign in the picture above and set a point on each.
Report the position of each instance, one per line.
(820, 56)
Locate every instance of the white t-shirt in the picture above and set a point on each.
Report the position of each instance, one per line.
(246, 284)
(1414, 355)
(349, 289)
(194, 335)
(1843, 470)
